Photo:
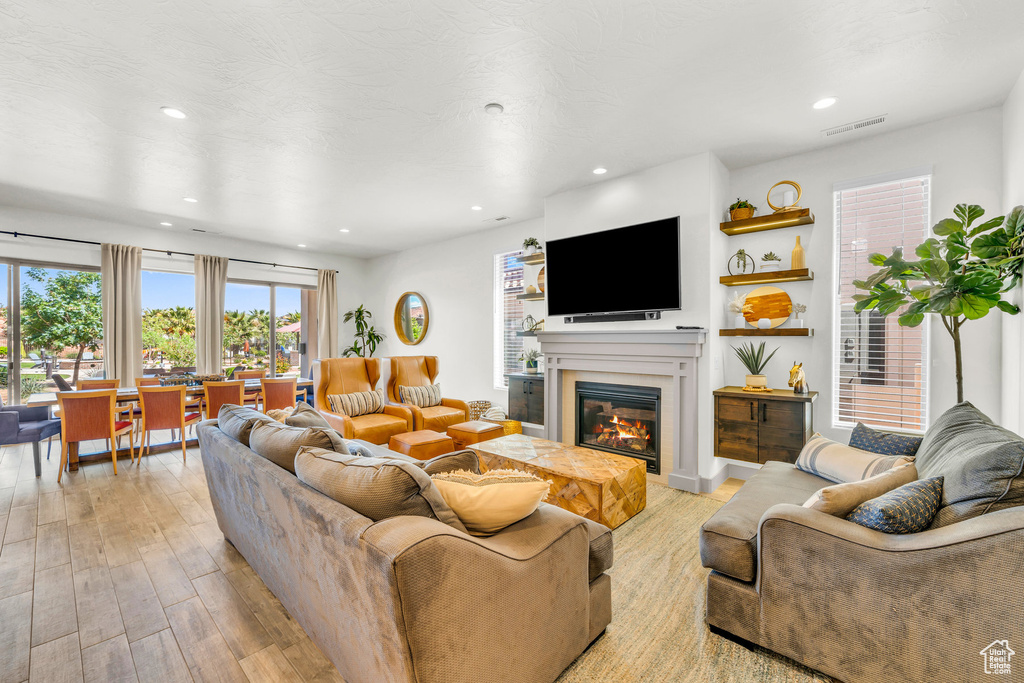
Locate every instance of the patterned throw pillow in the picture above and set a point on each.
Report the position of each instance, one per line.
(834, 461)
(885, 443)
(422, 397)
(359, 403)
(487, 503)
(906, 510)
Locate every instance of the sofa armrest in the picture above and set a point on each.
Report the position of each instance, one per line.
(456, 403)
(396, 410)
(340, 423)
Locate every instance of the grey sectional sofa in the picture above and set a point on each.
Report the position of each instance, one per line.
(411, 598)
(861, 605)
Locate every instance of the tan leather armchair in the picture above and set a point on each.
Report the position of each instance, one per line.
(349, 376)
(418, 371)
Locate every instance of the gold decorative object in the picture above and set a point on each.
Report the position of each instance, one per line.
(789, 207)
(758, 390)
(411, 318)
(798, 259)
(767, 302)
(540, 279)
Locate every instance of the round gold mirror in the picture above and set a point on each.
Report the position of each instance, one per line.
(411, 318)
(769, 303)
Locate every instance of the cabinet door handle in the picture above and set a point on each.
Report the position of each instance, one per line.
(752, 415)
(524, 387)
(531, 389)
(764, 412)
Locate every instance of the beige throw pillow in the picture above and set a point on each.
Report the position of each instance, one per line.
(279, 443)
(487, 503)
(421, 397)
(358, 403)
(839, 463)
(841, 499)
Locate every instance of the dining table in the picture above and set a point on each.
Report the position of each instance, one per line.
(130, 395)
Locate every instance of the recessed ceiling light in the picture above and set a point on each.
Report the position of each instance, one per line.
(343, 230)
(477, 208)
(600, 170)
(301, 246)
(825, 102)
(166, 224)
(174, 113)
(190, 200)
(494, 108)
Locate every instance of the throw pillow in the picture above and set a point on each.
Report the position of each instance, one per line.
(280, 414)
(487, 503)
(839, 500)
(421, 397)
(906, 510)
(378, 488)
(446, 462)
(359, 403)
(886, 443)
(982, 464)
(834, 461)
(306, 415)
(279, 443)
(237, 421)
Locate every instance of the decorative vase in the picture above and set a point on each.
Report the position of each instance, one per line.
(530, 289)
(757, 381)
(769, 266)
(740, 322)
(764, 323)
(531, 367)
(797, 323)
(530, 250)
(741, 214)
(798, 259)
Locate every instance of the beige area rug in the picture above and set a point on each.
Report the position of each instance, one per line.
(658, 631)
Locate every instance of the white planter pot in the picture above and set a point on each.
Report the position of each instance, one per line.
(770, 266)
(798, 323)
(740, 322)
(757, 381)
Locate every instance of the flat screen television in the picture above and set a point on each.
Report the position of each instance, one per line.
(624, 270)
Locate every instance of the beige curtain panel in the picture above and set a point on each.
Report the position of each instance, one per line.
(327, 313)
(121, 272)
(211, 281)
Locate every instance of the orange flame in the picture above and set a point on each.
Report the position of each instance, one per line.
(619, 425)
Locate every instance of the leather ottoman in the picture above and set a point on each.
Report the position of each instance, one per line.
(422, 445)
(475, 431)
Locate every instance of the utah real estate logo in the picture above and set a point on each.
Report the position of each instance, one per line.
(997, 657)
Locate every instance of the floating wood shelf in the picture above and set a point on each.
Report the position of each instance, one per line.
(777, 332)
(772, 221)
(531, 259)
(767, 278)
(526, 333)
(536, 296)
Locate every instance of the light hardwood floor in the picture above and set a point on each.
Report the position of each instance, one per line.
(127, 577)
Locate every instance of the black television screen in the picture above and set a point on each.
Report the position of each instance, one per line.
(629, 269)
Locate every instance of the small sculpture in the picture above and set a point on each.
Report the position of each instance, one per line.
(797, 379)
(741, 258)
(797, 310)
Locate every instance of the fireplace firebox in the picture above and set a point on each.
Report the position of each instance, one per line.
(620, 419)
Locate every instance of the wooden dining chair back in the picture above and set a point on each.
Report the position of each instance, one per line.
(87, 416)
(164, 408)
(220, 393)
(249, 374)
(278, 393)
(147, 381)
(252, 398)
(97, 384)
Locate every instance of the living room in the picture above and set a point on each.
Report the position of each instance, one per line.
(331, 162)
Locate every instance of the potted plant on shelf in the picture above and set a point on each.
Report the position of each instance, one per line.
(770, 261)
(529, 359)
(754, 361)
(741, 209)
(531, 245)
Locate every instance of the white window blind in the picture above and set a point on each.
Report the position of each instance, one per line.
(880, 370)
(508, 316)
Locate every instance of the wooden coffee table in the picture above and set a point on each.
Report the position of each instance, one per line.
(604, 487)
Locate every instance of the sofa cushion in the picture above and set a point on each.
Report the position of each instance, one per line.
(867, 439)
(237, 421)
(306, 415)
(839, 500)
(905, 510)
(439, 418)
(836, 462)
(378, 488)
(487, 503)
(357, 403)
(279, 443)
(981, 464)
(728, 541)
(421, 397)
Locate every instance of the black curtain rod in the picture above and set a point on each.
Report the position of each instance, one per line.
(169, 252)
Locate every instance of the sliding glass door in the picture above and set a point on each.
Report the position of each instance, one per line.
(10, 361)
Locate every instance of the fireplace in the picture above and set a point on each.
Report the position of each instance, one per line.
(620, 419)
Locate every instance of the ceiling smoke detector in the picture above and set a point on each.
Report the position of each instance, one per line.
(854, 125)
(493, 108)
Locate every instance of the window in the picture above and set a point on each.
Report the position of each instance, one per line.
(508, 316)
(880, 369)
(168, 321)
(247, 327)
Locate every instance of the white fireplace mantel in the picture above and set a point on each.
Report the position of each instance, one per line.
(659, 353)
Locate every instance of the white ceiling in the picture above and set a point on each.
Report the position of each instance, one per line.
(305, 118)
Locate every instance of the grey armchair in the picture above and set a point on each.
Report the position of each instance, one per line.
(28, 424)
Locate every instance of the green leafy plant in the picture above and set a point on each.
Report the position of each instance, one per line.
(283, 364)
(959, 276)
(530, 357)
(771, 256)
(366, 338)
(752, 357)
(741, 204)
(67, 312)
(531, 242)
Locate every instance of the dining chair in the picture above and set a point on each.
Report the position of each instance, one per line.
(164, 408)
(88, 415)
(278, 393)
(220, 393)
(94, 384)
(28, 424)
(254, 397)
(137, 407)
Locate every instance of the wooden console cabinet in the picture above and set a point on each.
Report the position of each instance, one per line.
(758, 427)
(526, 398)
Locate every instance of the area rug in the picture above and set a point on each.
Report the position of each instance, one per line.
(658, 631)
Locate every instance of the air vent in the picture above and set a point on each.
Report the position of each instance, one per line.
(197, 230)
(856, 125)
(498, 219)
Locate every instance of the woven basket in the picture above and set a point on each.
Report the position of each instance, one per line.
(478, 408)
(510, 426)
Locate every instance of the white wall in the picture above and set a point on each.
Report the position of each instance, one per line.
(1013, 195)
(965, 152)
